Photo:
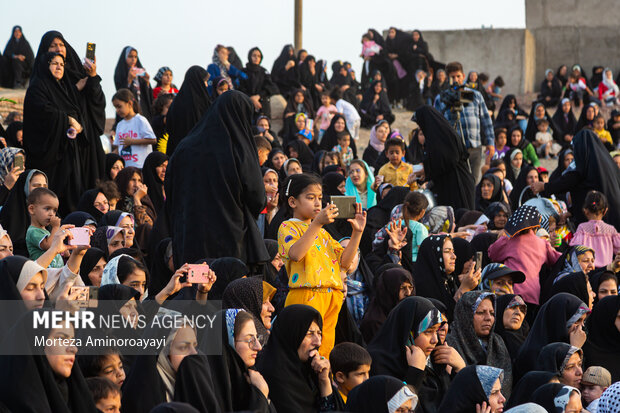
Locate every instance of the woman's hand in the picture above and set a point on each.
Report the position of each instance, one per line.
(73, 123)
(289, 64)
(359, 222)
(470, 277)
(483, 408)
(577, 336)
(415, 357)
(376, 98)
(140, 192)
(12, 176)
(444, 354)
(256, 379)
(90, 66)
(272, 203)
(174, 285)
(537, 187)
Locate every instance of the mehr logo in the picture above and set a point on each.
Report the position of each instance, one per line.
(63, 319)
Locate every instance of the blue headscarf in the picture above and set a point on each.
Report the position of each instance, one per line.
(351, 189)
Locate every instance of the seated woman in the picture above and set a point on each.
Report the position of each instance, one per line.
(472, 335)
(564, 122)
(555, 397)
(489, 190)
(154, 172)
(603, 345)
(129, 74)
(361, 184)
(54, 380)
(511, 325)
(562, 359)
(378, 135)
(20, 60)
(475, 388)
(136, 201)
(237, 386)
(330, 137)
(164, 82)
(407, 348)
(254, 296)
(381, 394)
(550, 90)
(220, 66)
(284, 72)
(258, 85)
(375, 106)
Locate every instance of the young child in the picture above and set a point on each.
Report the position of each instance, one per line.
(313, 259)
(352, 118)
(42, 207)
(596, 234)
(325, 113)
(106, 395)
(407, 215)
(343, 148)
(598, 125)
(134, 135)
(501, 143)
(544, 140)
(350, 365)
(543, 174)
(397, 171)
(369, 47)
(263, 147)
(595, 381)
(521, 250)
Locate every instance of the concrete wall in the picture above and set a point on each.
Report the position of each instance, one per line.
(494, 51)
(575, 13)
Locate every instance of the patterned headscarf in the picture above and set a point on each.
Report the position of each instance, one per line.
(160, 73)
(7, 155)
(524, 218)
(610, 399)
(110, 272)
(487, 376)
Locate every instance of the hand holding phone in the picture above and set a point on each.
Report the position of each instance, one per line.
(81, 236)
(478, 260)
(198, 273)
(90, 51)
(86, 297)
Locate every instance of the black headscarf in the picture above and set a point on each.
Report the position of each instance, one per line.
(531, 129)
(304, 154)
(548, 396)
(28, 382)
(259, 80)
(160, 273)
(220, 157)
(464, 339)
(18, 47)
(583, 118)
(143, 93)
(603, 345)
(14, 216)
(47, 105)
(110, 160)
(188, 107)
(92, 104)
(227, 269)
(90, 260)
(11, 134)
(194, 385)
(493, 209)
(520, 185)
(513, 339)
(575, 283)
(247, 294)
(463, 251)
(557, 172)
(292, 383)
(330, 137)
(270, 274)
(174, 407)
(331, 181)
(523, 390)
(373, 395)
(385, 298)
(496, 195)
(554, 356)
(87, 203)
(466, 390)
(286, 80)
(229, 372)
(151, 179)
(549, 326)
(564, 126)
(446, 160)
(429, 273)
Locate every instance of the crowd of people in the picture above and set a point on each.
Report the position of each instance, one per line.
(464, 277)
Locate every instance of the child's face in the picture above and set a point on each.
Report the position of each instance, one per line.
(542, 126)
(222, 87)
(500, 140)
(299, 97)
(166, 78)
(278, 160)
(427, 340)
(347, 382)
(395, 154)
(599, 124)
(111, 404)
(344, 141)
(300, 123)
(262, 156)
(544, 178)
(500, 220)
(293, 169)
(43, 210)
(123, 109)
(309, 203)
(591, 392)
(330, 160)
(112, 368)
(325, 101)
(515, 137)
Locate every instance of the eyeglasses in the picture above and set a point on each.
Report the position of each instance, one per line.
(253, 341)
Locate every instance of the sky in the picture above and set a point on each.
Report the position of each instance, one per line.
(183, 33)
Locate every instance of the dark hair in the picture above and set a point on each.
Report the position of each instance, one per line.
(343, 134)
(415, 203)
(101, 388)
(347, 357)
(496, 162)
(606, 276)
(160, 102)
(109, 189)
(134, 253)
(335, 94)
(262, 143)
(595, 202)
(483, 77)
(124, 176)
(240, 320)
(497, 131)
(542, 120)
(220, 47)
(37, 194)
(294, 185)
(514, 128)
(92, 365)
(453, 67)
(127, 265)
(394, 142)
(325, 92)
(599, 116)
(499, 81)
(126, 95)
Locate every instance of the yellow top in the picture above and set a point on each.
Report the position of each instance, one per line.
(344, 396)
(397, 176)
(320, 268)
(604, 135)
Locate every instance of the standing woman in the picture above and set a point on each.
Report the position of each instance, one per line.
(91, 100)
(188, 107)
(129, 74)
(446, 161)
(19, 53)
(154, 173)
(52, 122)
(285, 73)
(258, 85)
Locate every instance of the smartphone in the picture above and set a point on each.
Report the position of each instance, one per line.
(90, 51)
(81, 236)
(87, 297)
(198, 273)
(345, 205)
(478, 260)
(18, 162)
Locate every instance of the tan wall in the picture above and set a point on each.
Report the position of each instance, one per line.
(567, 13)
